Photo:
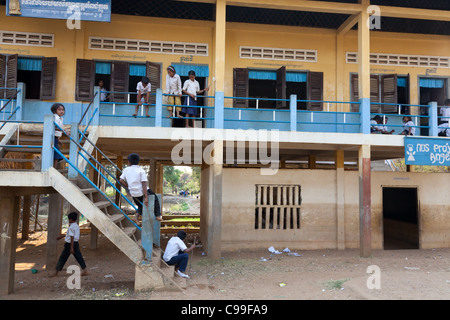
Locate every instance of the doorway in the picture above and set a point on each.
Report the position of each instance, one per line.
(431, 90)
(400, 218)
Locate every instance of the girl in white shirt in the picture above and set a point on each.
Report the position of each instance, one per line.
(58, 111)
(408, 127)
(191, 87)
(143, 92)
(173, 86)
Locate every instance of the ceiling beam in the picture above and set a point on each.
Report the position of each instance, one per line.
(412, 13)
(348, 24)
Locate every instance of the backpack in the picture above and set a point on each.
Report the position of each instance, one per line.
(157, 208)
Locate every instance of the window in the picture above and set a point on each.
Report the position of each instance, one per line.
(118, 76)
(26, 38)
(277, 84)
(277, 206)
(387, 59)
(384, 88)
(278, 54)
(38, 74)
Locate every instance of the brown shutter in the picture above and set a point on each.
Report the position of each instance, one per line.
(2, 75)
(153, 72)
(11, 75)
(120, 74)
(84, 88)
(315, 90)
(354, 88)
(375, 93)
(240, 87)
(389, 93)
(281, 87)
(48, 79)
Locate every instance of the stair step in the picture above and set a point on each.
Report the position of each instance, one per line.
(117, 217)
(102, 204)
(89, 190)
(129, 231)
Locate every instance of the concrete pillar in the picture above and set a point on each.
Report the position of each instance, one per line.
(215, 199)
(365, 219)
(9, 219)
(219, 63)
(54, 224)
(26, 210)
(340, 200)
(364, 52)
(312, 161)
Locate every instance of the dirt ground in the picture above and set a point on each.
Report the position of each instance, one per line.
(249, 275)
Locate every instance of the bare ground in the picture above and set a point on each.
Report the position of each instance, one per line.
(315, 275)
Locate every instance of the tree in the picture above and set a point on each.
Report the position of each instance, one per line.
(172, 176)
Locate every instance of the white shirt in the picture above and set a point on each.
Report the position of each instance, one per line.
(377, 127)
(445, 112)
(103, 94)
(445, 127)
(140, 88)
(59, 122)
(174, 245)
(134, 176)
(191, 87)
(409, 124)
(72, 231)
(173, 84)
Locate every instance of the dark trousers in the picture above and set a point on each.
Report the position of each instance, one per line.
(66, 253)
(180, 261)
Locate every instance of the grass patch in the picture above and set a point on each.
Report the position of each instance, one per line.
(335, 284)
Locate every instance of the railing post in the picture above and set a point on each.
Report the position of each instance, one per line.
(219, 110)
(293, 111)
(20, 100)
(158, 107)
(148, 221)
(433, 119)
(73, 152)
(364, 109)
(96, 106)
(48, 138)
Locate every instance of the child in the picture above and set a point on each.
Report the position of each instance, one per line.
(103, 92)
(191, 87)
(176, 253)
(71, 245)
(58, 110)
(143, 92)
(384, 129)
(173, 86)
(445, 112)
(374, 124)
(408, 127)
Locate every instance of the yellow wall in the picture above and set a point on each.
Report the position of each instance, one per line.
(73, 44)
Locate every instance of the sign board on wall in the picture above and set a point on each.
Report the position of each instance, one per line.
(97, 10)
(427, 151)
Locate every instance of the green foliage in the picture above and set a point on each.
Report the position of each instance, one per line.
(177, 179)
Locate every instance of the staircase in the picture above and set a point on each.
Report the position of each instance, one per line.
(22, 148)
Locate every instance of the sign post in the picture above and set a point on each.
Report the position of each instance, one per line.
(425, 151)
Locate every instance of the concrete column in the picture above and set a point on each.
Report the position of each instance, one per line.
(364, 52)
(365, 219)
(158, 107)
(9, 219)
(293, 112)
(433, 120)
(215, 222)
(219, 63)
(312, 161)
(20, 100)
(26, 210)
(340, 200)
(54, 223)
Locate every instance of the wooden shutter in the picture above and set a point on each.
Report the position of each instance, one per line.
(2, 75)
(120, 74)
(375, 93)
(84, 88)
(48, 79)
(11, 75)
(240, 87)
(389, 93)
(281, 87)
(153, 72)
(315, 90)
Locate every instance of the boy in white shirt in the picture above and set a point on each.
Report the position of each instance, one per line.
(134, 179)
(71, 245)
(143, 92)
(176, 253)
(445, 112)
(173, 87)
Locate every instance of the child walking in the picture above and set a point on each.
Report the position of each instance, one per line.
(58, 111)
(71, 245)
(191, 87)
(173, 86)
(134, 179)
(408, 127)
(143, 92)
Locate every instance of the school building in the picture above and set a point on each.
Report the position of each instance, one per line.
(283, 136)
